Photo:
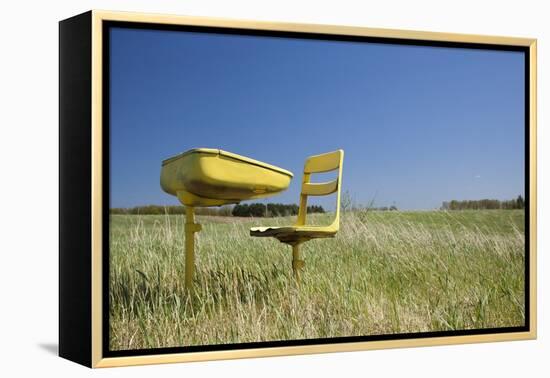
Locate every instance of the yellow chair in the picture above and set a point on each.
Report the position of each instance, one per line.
(300, 232)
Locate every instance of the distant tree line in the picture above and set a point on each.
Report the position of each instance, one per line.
(149, 210)
(383, 208)
(348, 203)
(161, 210)
(484, 204)
(271, 210)
(241, 210)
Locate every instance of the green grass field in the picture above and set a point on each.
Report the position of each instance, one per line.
(384, 272)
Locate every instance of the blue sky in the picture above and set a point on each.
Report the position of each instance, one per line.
(419, 125)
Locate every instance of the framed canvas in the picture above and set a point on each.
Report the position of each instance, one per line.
(234, 189)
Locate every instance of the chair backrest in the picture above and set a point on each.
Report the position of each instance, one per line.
(327, 162)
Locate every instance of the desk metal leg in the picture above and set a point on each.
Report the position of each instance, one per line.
(190, 228)
(297, 264)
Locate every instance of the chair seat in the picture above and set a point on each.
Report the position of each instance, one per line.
(293, 234)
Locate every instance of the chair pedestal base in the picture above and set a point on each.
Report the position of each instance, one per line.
(297, 263)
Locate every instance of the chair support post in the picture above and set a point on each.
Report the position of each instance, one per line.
(300, 233)
(297, 263)
(190, 228)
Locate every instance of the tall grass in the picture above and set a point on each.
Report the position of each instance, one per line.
(385, 272)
